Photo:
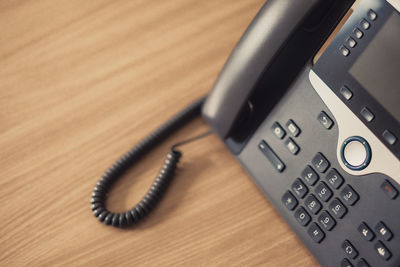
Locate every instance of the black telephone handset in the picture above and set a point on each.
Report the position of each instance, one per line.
(280, 41)
(320, 141)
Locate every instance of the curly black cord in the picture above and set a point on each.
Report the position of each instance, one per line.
(148, 202)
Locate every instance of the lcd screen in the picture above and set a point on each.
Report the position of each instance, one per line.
(377, 69)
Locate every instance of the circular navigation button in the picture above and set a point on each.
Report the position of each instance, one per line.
(356, 153)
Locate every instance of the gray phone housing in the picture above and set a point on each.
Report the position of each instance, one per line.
(300, 103)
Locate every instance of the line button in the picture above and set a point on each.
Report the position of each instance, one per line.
(367, 114)
(346, 93)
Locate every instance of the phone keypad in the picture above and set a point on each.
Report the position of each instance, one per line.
(323, 193)
(319, 205)
(337, 208)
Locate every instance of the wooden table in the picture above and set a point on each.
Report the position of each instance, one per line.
(83, 81)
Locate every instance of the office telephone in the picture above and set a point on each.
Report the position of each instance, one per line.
(320, 140)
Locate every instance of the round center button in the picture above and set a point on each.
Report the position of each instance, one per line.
(356, 153)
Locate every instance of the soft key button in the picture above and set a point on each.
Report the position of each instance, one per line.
(372, 15)
(356, 153)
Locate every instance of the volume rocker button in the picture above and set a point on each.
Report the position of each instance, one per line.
(271, 156)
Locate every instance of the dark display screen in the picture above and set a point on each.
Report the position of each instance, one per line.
(377, 69)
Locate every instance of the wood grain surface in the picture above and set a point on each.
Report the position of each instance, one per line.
(83, 81)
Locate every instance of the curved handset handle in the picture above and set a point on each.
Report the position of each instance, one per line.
(271, 29)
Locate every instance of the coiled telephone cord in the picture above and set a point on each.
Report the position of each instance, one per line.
(163, 179)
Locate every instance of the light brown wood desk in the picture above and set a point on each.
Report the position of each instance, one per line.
(83, 81)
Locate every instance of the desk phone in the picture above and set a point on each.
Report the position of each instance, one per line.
(320, 140)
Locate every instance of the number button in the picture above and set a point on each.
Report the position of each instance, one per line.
(326, 220)
(309, 175)
(313, 204)
(334, 179)
(302, 216)
(316, 233)
(299, 188)
(320, 163)
(289, 200)
(323, 192)
(349, 195)
(337, 208)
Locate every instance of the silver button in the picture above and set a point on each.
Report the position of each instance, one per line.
(351, 42)
(372, 15)
(358, 33)
(389, 137)
(345, 52)
(346, 93)
(365, 24)
(367, 114)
